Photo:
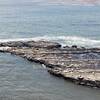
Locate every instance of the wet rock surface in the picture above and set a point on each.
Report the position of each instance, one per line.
(79, 65)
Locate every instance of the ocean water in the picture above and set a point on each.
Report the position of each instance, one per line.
(68, 22)
(65, 21)
(23, 80)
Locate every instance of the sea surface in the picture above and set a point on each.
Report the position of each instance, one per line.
(65, 21)
(24, 80)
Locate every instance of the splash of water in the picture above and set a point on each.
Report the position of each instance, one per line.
(64, 40)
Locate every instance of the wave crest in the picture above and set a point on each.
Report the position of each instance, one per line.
(64, 40)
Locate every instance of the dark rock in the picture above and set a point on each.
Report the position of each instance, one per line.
(67, 47)
(38, 44)
(74, 46)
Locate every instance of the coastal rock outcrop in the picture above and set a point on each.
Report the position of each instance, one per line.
(77, 64)
(38, 44)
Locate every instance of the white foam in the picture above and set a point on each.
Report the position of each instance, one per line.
(72, 40)
(64, 40)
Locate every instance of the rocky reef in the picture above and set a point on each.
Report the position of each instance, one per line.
(76, 64)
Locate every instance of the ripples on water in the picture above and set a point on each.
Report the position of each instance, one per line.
(40, 18)
(23, 80)
(52, 20)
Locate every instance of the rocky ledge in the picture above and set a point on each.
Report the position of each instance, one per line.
(77, 64)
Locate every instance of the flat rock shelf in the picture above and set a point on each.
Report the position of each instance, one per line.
(76, 64)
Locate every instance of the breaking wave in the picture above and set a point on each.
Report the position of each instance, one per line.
(64, 40)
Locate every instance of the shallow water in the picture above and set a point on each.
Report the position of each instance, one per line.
(23, 80)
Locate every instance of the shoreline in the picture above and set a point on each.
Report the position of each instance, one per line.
(79, 65)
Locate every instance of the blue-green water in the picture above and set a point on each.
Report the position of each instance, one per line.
(65, 23)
